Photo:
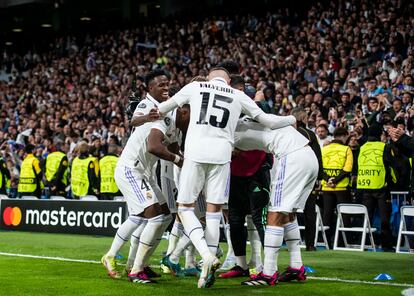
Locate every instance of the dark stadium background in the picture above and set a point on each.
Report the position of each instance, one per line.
(26, 24)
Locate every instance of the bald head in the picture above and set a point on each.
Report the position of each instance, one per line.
(219, 73)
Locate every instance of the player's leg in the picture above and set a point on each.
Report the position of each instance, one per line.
(238, 208)
(166, 222)
(134, 244)
(170, 191)
(148, 239)
(304, 170)
(255, 245)
(192, 180)
(230, 260)
(127, 182)
(274, 232)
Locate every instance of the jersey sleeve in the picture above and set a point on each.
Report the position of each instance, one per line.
(184, 95)
(142, 109)
(164, 124)
(249, 107)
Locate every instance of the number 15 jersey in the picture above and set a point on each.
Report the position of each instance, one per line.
(215, 110)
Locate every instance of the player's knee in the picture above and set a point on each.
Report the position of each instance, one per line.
(277, 218)
(153, 211)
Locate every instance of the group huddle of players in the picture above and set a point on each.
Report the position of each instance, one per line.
(193, 133)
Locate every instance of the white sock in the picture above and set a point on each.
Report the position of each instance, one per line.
(175, 234)
(292, 239)
(165, 223)
(146, 242)
(213, 230)
(123, 234)
(135, 242)
(182, 244)
(190, 257)
(195, 231)
(241, 261)
(272, 243)
(255, 243)
(230, 251)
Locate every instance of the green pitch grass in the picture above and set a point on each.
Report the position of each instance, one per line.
(29, 276)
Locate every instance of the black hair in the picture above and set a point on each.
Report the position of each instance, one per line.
(236, 80)
(340, 132)
(29, 148)
(153, 74)
(231, 66)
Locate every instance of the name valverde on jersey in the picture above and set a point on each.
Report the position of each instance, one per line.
(215, 109)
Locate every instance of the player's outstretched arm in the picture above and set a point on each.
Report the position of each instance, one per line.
(138, 120)
(178, 100)
(167, 106)
(269, 120)
(156, 147)
(274, 121)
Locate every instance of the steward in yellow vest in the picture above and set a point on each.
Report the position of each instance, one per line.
(337, 162)
(107, 164)
(373, 171)
(30, 181)
(56, 171)
(84, 173)
(4, 178)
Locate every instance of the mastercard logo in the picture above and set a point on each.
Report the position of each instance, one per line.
(12, 216)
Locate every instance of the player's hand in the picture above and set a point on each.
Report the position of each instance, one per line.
(180, 163)
(153, 115)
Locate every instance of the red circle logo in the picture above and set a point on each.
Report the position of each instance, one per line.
(12, 216)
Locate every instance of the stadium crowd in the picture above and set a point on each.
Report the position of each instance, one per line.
(348, 64)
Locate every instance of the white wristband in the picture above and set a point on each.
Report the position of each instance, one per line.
(177, 159)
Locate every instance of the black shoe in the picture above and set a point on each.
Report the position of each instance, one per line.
(310, 248)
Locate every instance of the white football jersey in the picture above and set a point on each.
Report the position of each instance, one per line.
(146, 105)
(254, 136)
(215, 110)
(136, 155)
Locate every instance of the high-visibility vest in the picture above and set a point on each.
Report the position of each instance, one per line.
(27, 180)
(53, 161)
(333, 160)
(107, 166)
(371, 170)
(79, 176)
(4, 178)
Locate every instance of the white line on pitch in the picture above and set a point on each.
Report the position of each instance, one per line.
(309, 277)
(359, 281)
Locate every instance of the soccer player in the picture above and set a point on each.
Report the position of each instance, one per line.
(297, 170)
(135, 179)
(157, 84)
(215, 110)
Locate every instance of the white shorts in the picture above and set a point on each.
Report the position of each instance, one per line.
(211, 179)
(138, 191)
(295, 177)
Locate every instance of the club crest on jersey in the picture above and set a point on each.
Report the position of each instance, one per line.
(167, 121)
(149, 195)
(142, 106)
